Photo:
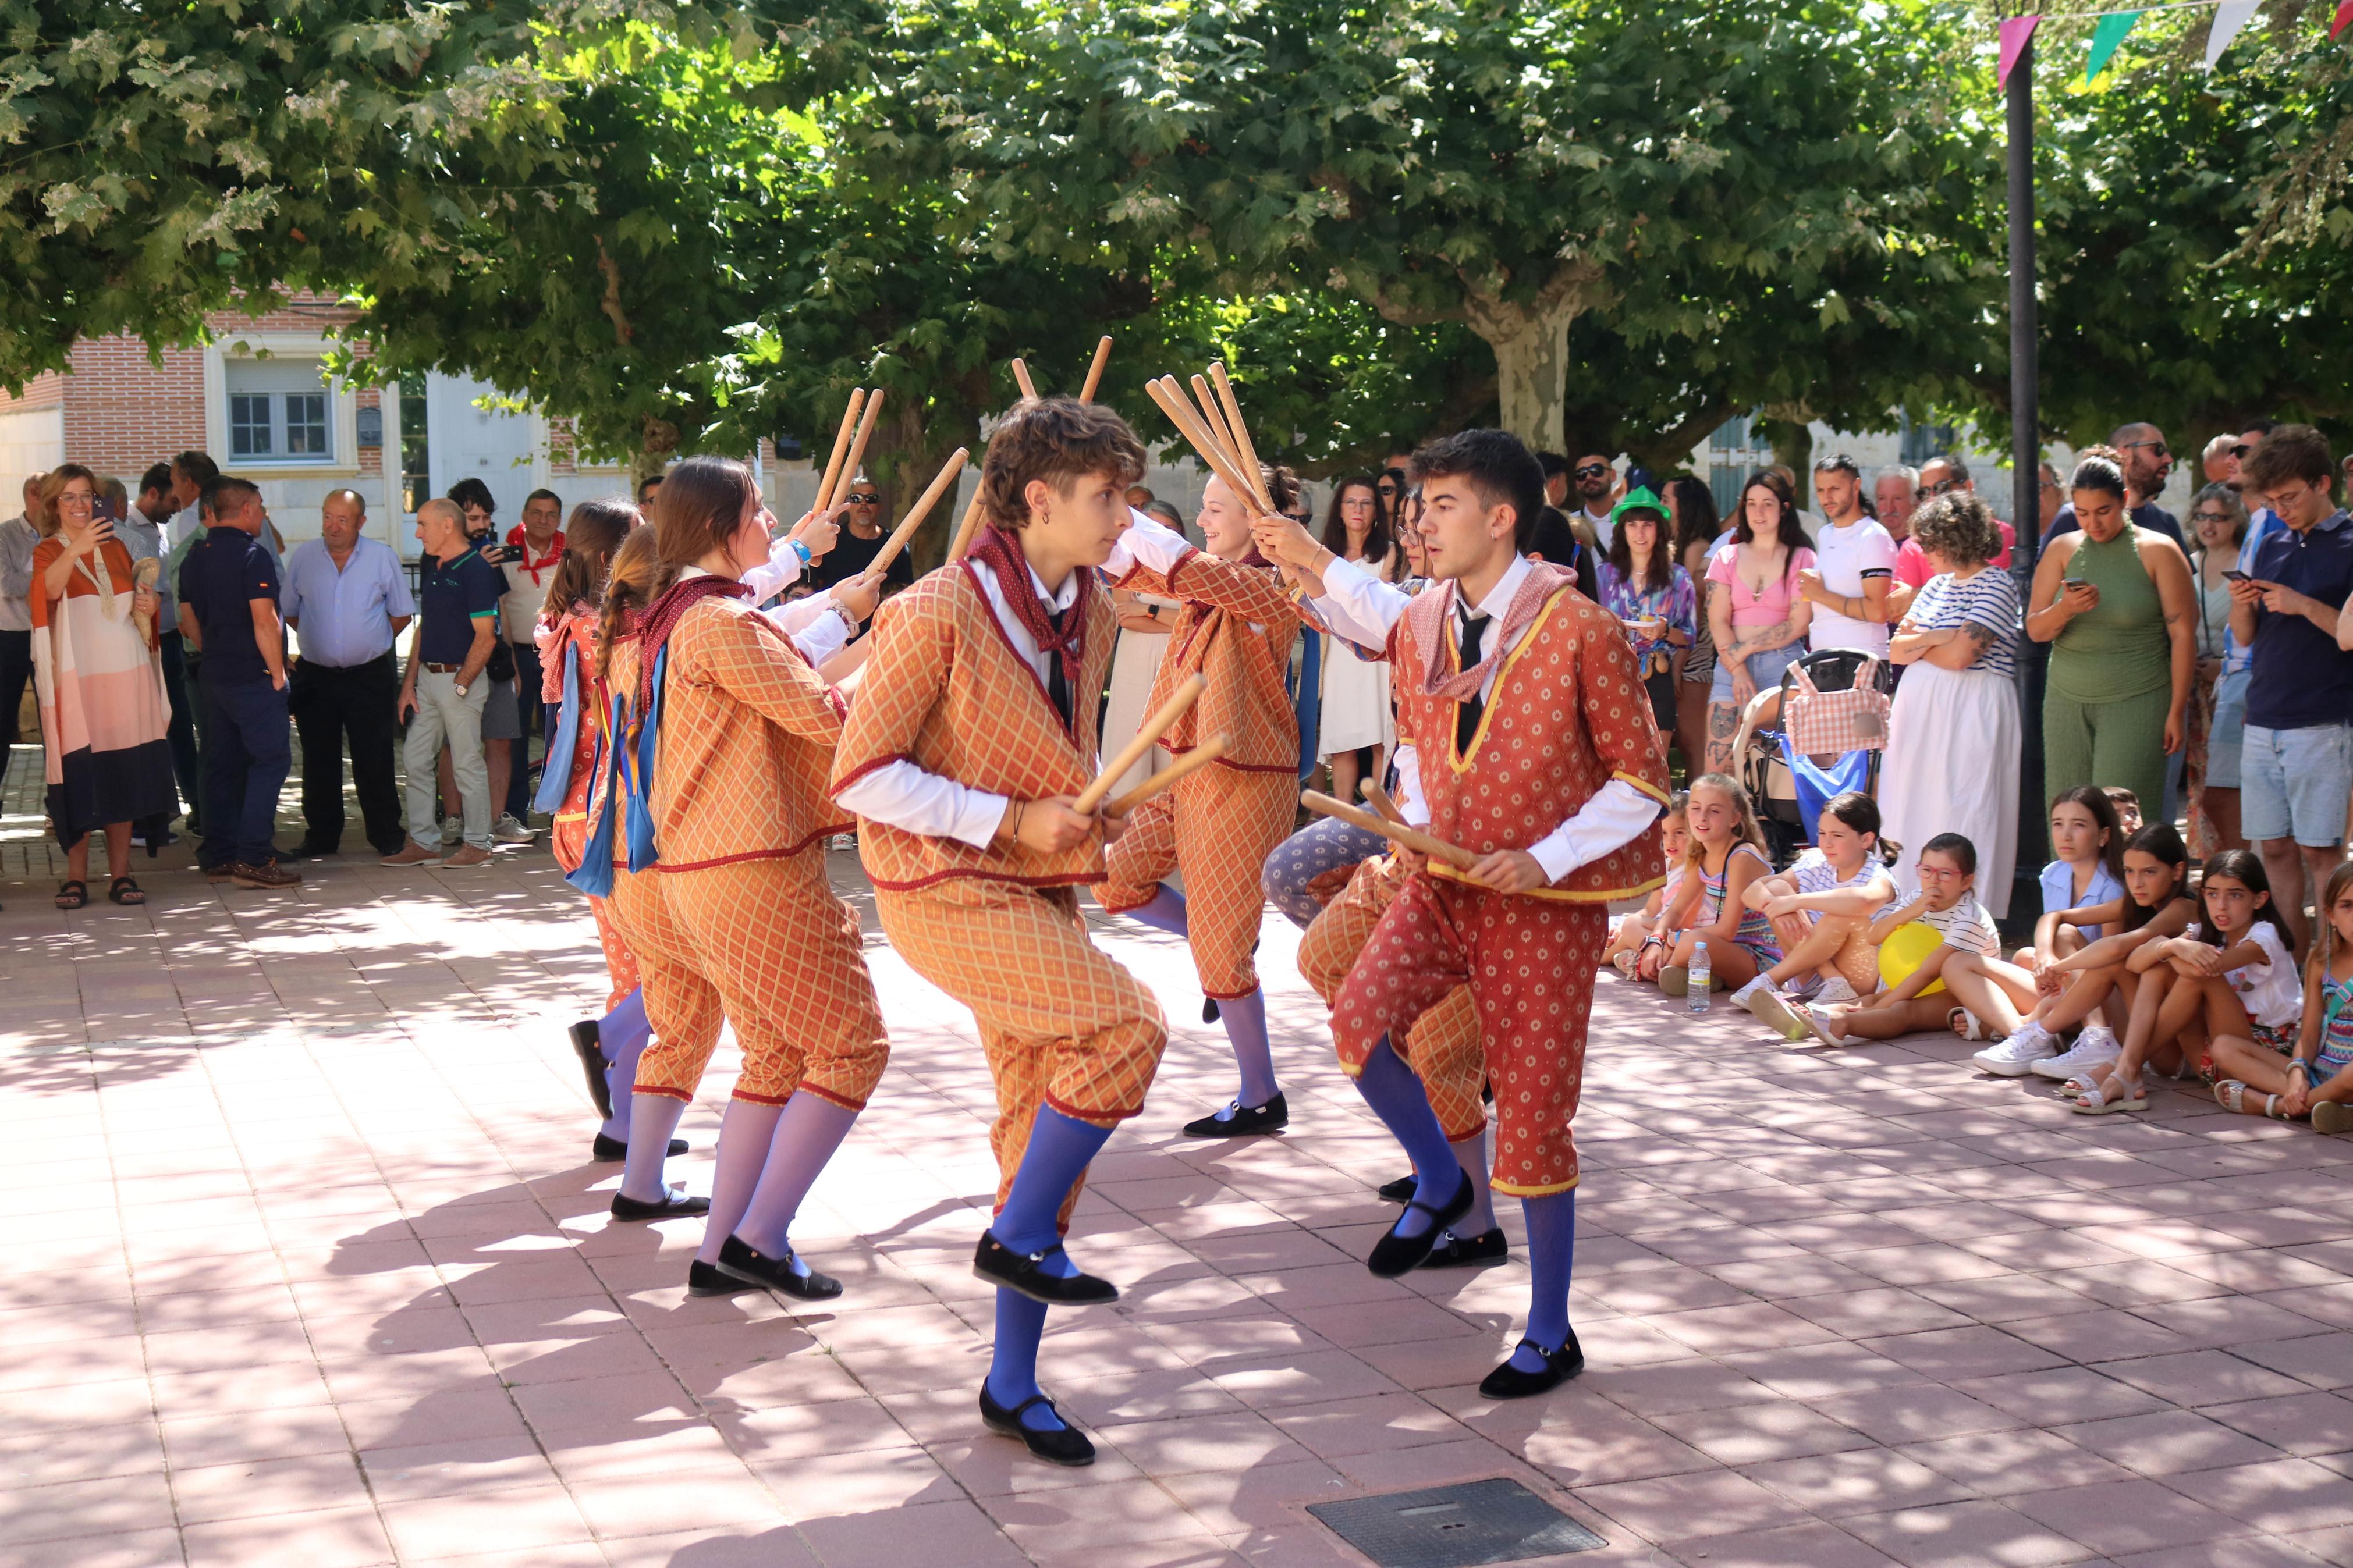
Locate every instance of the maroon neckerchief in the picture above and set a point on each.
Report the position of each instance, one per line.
(1002, 550)
(661, 617)
(1431, 612)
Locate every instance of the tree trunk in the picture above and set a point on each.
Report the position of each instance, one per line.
(915, 437)
(1531, 346)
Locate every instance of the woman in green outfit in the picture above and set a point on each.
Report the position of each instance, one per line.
(2114, 602)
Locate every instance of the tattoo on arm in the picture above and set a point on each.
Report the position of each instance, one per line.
(1979, 638)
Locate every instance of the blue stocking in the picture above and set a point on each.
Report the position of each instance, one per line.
(650, 1126)
(1013, 1369)
(1059, 1148)
(1165, 912)
(1552, 1250)
(1397, 1097)
(623, 1034)
(1245, 1021)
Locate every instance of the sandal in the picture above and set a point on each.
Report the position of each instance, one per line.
(1964, 1022)
(2332, 1116)
(2096, 1103)
(72, 895)
(2232, 1095)
(123, 890)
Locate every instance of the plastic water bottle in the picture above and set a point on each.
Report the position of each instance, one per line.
(1698, 979)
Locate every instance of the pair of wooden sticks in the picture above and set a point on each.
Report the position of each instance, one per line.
(970, 527)
(1215, 431)
(1390, 825)
(841, 471)
(1187, 692)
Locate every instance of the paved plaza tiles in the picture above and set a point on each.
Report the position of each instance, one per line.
(308, 1269)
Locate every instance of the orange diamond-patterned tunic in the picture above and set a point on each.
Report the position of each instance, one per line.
(1235, 628)
(1565, 715)
(998, 927)
(737, 920)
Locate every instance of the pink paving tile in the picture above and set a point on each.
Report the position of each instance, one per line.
(1949, 1354)
(708, 1548)
(1675, 1508)
(2002, 1464)
(1103, 1519)
(1920, 1414)
(2167, 1443)
(1584, 1443)
(64, 1510)
(1965, 1535)
(516, 1519)
(2202, 1377)
(137, 1549)
(2278, 1496)
(334, 1538)
(2304, 1423)
(1864, 1480)
(1757, 1434)
(1262, 1500)
(2060, 1394)
(2119, 1517)
(444, 1470)
(214, 1493)
(953, 1531)
(2323, 1361)
(90, 1452)
(1793, 1546)
(647, 1503)
(2239, 1552)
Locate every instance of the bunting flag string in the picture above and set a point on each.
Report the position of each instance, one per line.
(2110, 27)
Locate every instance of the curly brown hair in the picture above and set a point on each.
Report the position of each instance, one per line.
(1959, 527)
(1060, 441)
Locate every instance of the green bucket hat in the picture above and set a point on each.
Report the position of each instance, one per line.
(1643, 499)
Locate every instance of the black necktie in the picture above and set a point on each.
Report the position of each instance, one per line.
(1470, 630)
(1058, 684)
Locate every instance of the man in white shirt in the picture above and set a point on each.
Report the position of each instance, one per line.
(1594, 476)
(1854, 565)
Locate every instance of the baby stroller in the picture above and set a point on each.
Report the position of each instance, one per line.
(1818, 734)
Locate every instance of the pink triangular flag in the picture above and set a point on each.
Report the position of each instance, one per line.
(2014, 33)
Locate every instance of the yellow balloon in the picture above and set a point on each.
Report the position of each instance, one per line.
(1906, 950)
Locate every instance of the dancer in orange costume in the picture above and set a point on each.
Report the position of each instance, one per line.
(726, 906)
(972, 734)
(1217, 828)
(1539, 755)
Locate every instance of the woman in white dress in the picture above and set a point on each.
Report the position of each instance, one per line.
(1359, 728)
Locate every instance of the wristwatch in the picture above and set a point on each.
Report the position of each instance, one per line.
(459, 689)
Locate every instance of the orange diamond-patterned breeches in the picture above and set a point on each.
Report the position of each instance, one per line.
(1217, 826)
(1442, 1046)
(1529, 963)
(568, 840)
(1061, 1023)
(766, 946)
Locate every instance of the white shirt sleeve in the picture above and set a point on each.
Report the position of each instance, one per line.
(783, 569)
(822, 637)
(1409, 804)
(906, 796)
(1616, 812)
(1154, 545)
(1359, 606)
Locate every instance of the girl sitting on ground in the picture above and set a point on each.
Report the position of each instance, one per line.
(2157, 905)
(1725, 853)
(2229, 973)
(1629, 933)
(2081, 889)
(2316, 1079)
(1821, 908)
(1948, 906)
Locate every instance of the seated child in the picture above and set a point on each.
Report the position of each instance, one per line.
(1724, 854)
(1629, 933)
(1821, 908)
(2316, 1079)
(1948, 905)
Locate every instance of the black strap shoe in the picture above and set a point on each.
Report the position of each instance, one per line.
(1240, 1120)
(586, 1046)
(1454, 1251)
(612, 1150)
(739, 1259)
(1508, 1381)
(704, 1280)
(1069, 1446)
(1021, 1273)
(1400, 1191)
(672, 1205)
(1210, 1013)
(1394, 1254)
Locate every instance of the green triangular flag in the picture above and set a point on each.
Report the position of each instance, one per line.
(2105, 37)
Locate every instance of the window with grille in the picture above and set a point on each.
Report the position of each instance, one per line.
(279, 413)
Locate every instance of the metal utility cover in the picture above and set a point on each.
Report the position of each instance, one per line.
(1458, 1526)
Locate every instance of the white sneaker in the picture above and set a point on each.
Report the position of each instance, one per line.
(507, 830)
(1742, 997)
(2016, 1057)
(2094, 1048)
(453, 830)
(1832, 991)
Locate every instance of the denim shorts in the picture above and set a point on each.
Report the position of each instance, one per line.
(1764, 667)
(2228, 732)
(2296, 782)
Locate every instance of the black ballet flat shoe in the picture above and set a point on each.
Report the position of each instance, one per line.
(586, 1046)
(1068, 1447)
(672, 1205)
(1018, 1272)
(1210, 1013)
(612, 1150)
(1240, 1121)
(1469, 1251)
(1400, 1191)
(739, 1259)
(1508, 1381)
(704, 1280)
(1394, 1254)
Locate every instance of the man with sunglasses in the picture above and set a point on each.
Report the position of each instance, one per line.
(1595, 476)
(2147, 463)
(861, 542)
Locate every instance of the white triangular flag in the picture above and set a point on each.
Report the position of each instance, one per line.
(2229, 15)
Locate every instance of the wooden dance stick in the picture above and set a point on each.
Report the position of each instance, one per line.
(856, 451)
(1021, 375)
(1181, 413)
(840, 446)
(916, 514)
(1145, 738)
(1214, 415)
(1094, 371)
(1244, 448)
(1396, 833)
(1378, 799)
(967, 530)
(1199, 757)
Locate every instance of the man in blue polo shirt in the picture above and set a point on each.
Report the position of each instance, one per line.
(228, 611)
(442, 695)
(347, 599)
(2297, 768)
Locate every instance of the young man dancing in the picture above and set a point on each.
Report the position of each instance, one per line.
(1537, 755)
(973, 731)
